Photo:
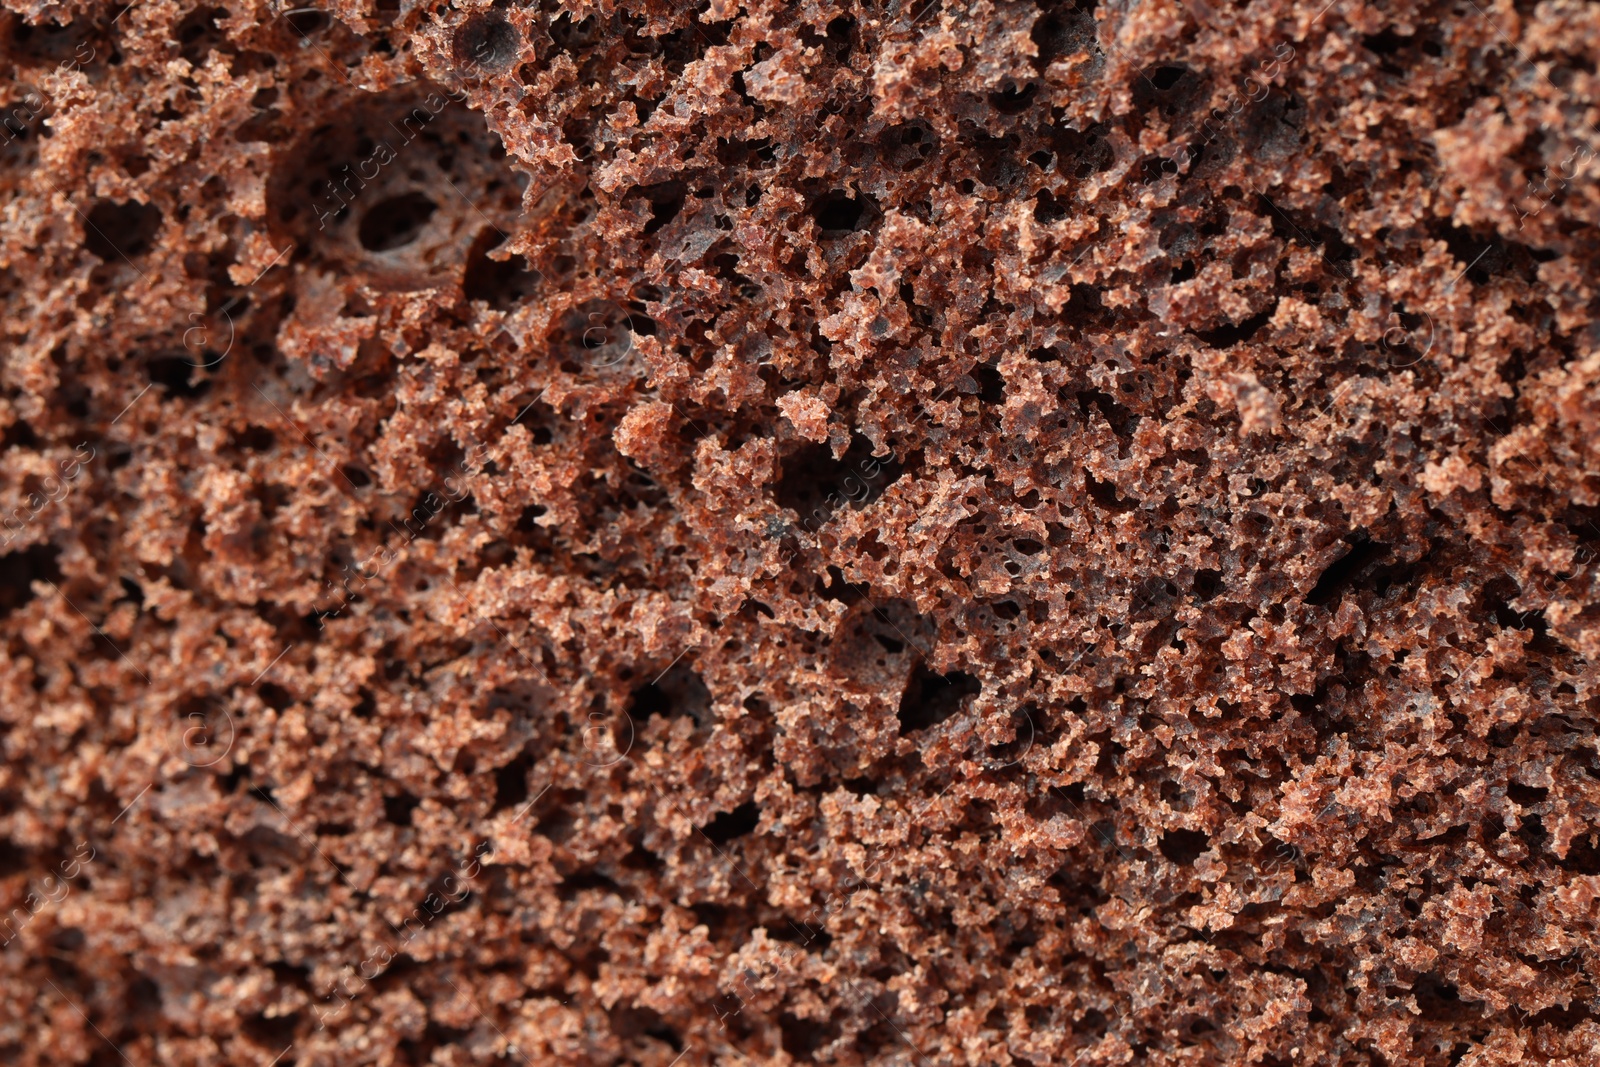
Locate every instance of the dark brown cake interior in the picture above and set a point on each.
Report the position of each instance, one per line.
(799, 533)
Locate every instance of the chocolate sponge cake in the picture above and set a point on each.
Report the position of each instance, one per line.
(934, 533)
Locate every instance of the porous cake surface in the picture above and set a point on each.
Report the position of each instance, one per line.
(945, 533)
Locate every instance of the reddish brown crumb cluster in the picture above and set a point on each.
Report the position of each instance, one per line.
(942, 534)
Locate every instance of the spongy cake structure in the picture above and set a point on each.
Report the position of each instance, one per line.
(955, 533)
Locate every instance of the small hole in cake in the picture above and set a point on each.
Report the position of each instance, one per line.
(395, 222)
(838, 213)
(1183, 847)
(177, 376)
(306, 20)
(731, 824)
(666, 200)
(511, 782)
(1013, 100)
(930, 699)
(679, 691)
(18, 571)
(1166, 77)
(114, 231)
(397, 809)
(500, 283)
(489, 42)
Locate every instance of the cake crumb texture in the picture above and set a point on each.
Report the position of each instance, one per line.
(949, 533)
